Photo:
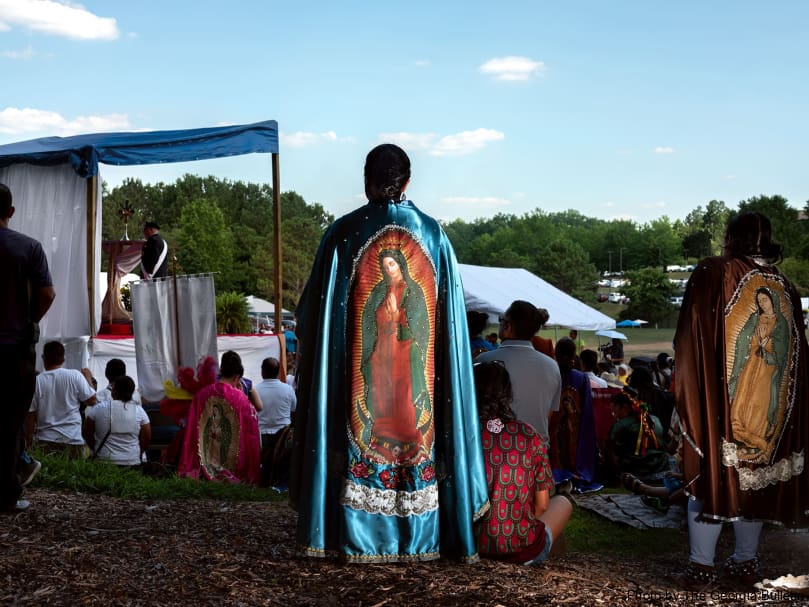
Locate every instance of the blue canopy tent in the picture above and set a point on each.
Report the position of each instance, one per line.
(70, 209)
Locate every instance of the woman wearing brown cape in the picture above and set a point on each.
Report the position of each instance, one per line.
(740, 315)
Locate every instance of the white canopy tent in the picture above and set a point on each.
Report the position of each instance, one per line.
(256, 305)
(492, 290)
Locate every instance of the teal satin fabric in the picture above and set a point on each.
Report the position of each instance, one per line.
(324, 474)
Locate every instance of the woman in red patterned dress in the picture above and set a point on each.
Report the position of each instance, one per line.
(523, 520)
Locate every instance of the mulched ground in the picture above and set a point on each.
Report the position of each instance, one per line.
(73, 549)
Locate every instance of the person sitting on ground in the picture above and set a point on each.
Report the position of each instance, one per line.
(573, 449)
(246, 384)
(118, 430)
(55, 415)
(114, 369)
(661, 402)
(221, 440)
(637, 442)
(657, 497)
(476, 321)
(661, 370)
(623, 373)
(535, 379)
(274, 423)
(589, 364)
(542, 344)
(523, 521)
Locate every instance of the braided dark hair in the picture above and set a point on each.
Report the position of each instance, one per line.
(387, 171)
(493, 391)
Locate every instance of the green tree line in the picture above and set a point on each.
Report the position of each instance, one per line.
(226, 227)
(570, 250)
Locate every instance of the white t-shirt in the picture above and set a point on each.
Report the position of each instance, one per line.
(105, 395)
(279, 402)
(58, 396)
(122, 446)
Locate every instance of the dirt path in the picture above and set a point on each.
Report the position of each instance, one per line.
(73, 549)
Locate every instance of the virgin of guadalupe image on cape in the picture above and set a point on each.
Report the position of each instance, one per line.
(387, 461)
(391, 407)
(219, 436)
(759, 369)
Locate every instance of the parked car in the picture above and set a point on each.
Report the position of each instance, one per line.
(618, 298)
(602, 297)
(676, 301)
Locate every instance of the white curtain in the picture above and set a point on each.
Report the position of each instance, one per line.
(155, 323)
(126, 257)
(51, 206)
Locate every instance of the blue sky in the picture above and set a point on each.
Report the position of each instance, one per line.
(616, 109)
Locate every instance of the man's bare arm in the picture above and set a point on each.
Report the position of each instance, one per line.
(45, 297)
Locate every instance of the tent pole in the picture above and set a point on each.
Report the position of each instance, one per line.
(279, 288)
(177, 321)
(276, 203)
(92, 271)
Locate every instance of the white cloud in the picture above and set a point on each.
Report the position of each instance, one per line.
(664, 149)
(302, 139)
(609, 204)
(414, 142)
(465, 142)
(26, 53)
(477, 202)
(57, 18)
(730, 177)
(512, 68)
(422, 63)
(29, 120)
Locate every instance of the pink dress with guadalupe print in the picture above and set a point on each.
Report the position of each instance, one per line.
(517, 467)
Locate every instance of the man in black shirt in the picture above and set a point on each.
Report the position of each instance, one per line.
(27, 295)
(154, 260)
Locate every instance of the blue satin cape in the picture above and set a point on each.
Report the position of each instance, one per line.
(342, 508)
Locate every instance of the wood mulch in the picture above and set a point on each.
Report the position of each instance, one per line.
(76, 549)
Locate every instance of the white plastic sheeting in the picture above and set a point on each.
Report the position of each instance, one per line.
(492, 290)
(51, 206)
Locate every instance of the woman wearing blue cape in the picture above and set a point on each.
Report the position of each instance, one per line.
(387, 459)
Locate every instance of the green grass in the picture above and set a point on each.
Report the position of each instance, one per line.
(97, 477)
(591, 533)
